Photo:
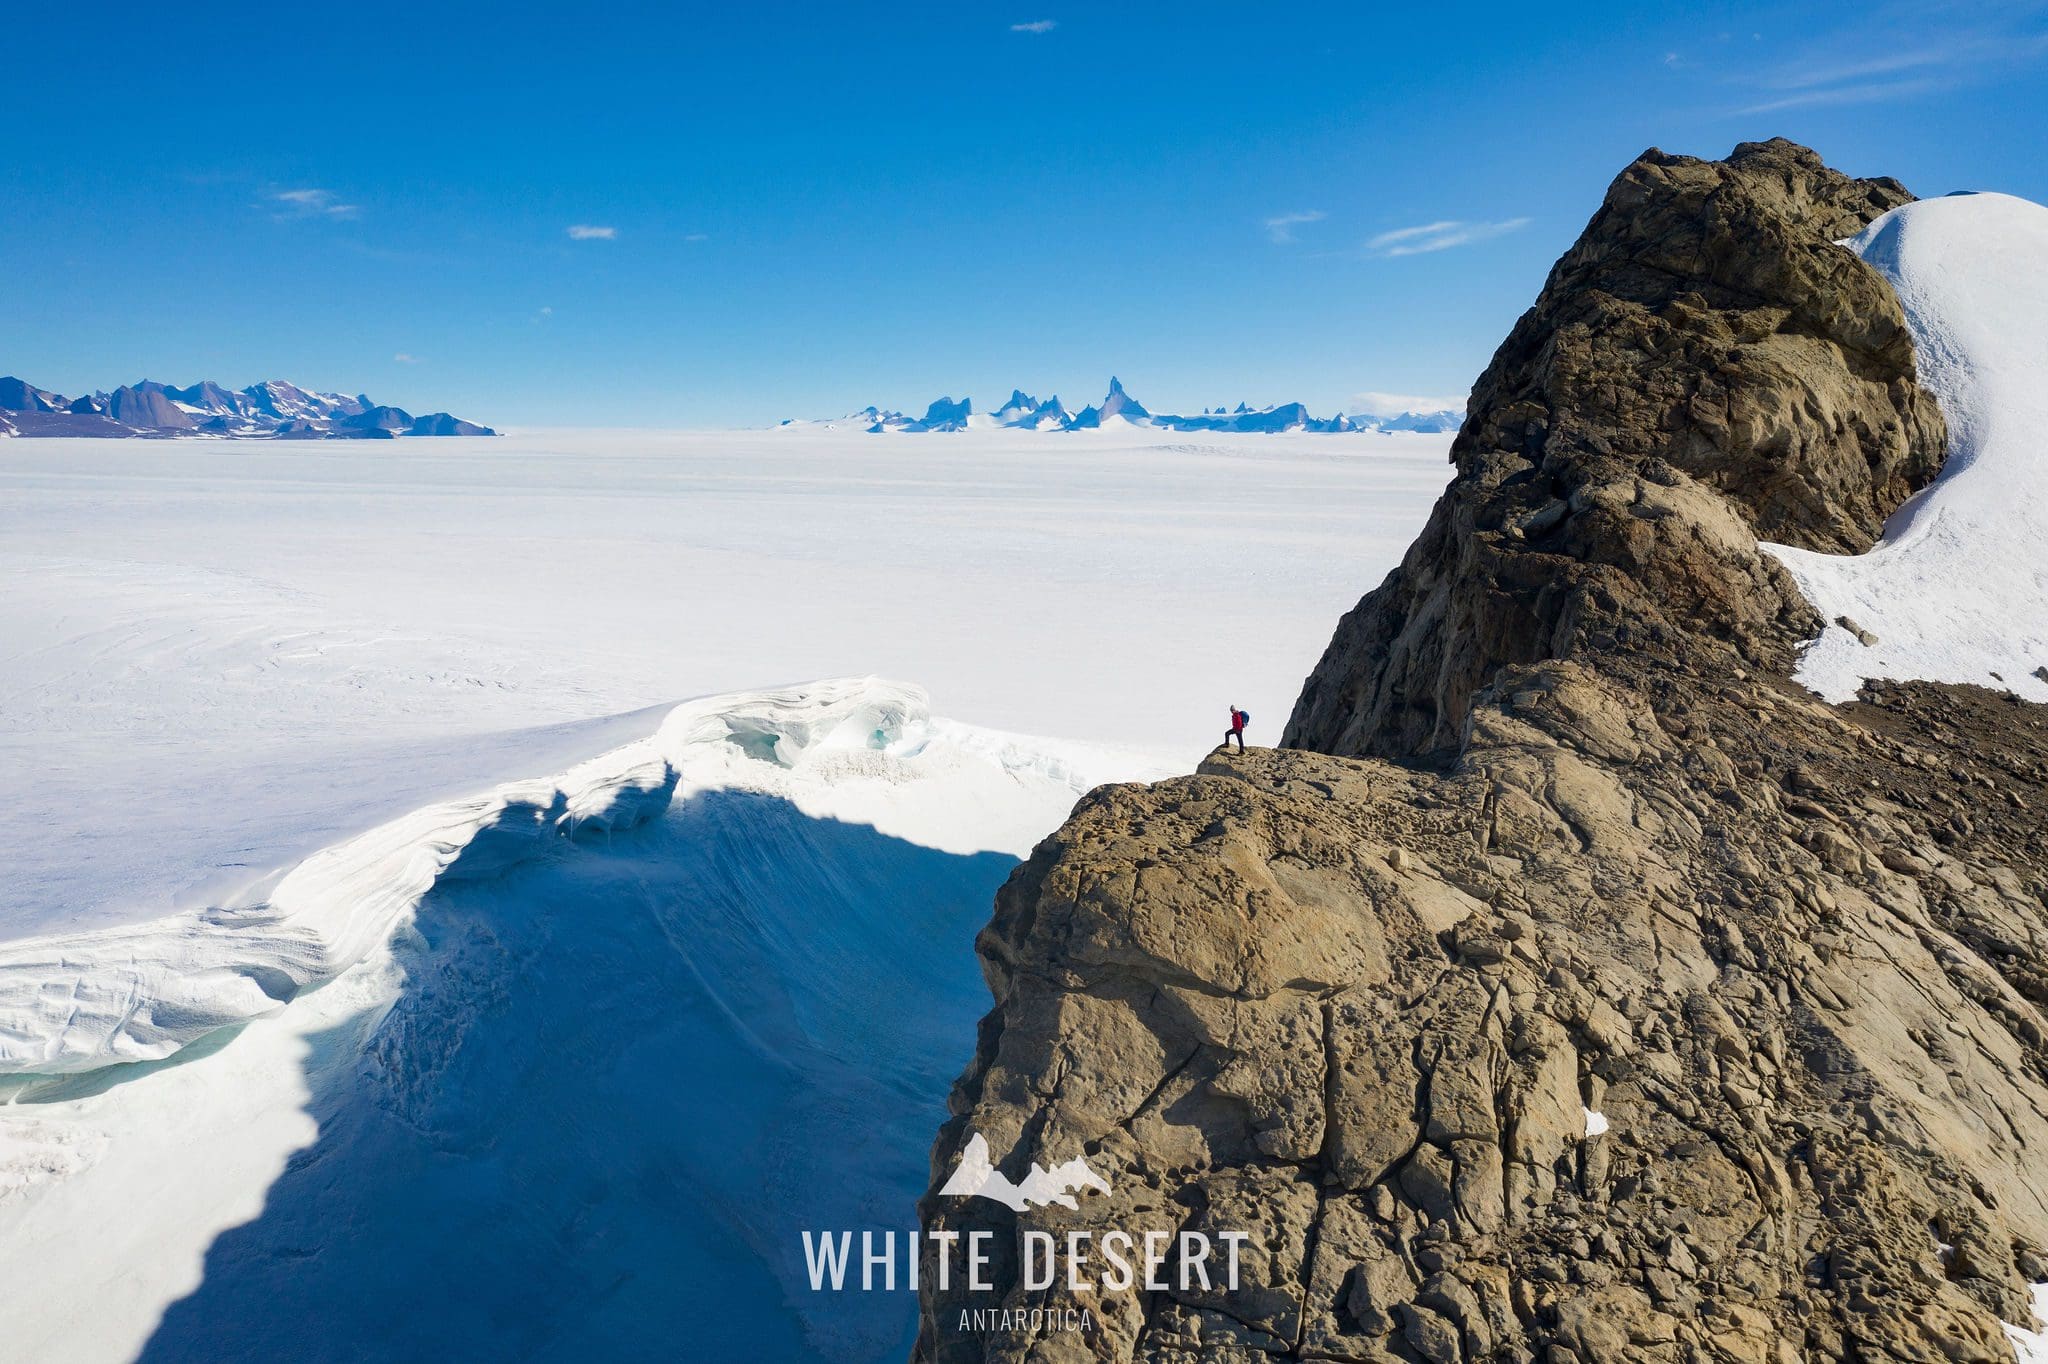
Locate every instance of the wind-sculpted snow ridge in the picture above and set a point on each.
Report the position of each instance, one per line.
(626, 1029)
(77, 1002)
(1957, 591)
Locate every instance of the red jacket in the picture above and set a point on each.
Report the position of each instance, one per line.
(1237, 719)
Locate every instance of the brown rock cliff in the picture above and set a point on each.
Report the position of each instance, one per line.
(1574, 844)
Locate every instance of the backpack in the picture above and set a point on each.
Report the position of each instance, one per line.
(1244, 717)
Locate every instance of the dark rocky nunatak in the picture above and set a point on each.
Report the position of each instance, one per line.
(1557, 835)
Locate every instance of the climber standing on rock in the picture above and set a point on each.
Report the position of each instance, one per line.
(1238, 720)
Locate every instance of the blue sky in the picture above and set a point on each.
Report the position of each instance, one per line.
(798, 209)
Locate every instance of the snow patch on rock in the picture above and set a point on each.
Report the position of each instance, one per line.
(722, 952)
(2030, 1343)
(1957, 590)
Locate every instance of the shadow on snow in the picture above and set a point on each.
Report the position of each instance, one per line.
(617, 1085)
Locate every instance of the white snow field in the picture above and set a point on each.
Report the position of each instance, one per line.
(334, 1026)
(1957, 590)
(216, 658)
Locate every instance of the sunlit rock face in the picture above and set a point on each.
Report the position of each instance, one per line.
(1576, 987)
(1704, 367)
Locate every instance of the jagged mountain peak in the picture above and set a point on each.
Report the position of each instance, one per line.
(1118, 403)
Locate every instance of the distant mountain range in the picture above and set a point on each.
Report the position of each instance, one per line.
(1118, 408)
(275, 409)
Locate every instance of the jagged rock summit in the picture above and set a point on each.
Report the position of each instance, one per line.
(1116, 405)
(1704, 345)
(1578, 988)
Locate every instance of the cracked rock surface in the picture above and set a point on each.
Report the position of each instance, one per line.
(1361, 1012)
(1596, 993)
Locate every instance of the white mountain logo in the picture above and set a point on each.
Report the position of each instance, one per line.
(977, 1177)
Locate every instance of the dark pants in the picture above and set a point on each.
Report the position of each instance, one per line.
(1234, 733)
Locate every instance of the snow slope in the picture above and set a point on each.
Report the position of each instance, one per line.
(1957, 590)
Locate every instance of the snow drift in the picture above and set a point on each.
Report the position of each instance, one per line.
(1957, 590)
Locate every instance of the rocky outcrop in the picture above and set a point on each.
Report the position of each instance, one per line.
(1606, 997)
(1703, 367)
(148, 407)
(445, 424)
(1362, 1012)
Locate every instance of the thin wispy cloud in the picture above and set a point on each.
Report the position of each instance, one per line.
(404, 359)
(542, 314)
(1907, 65)
(1394, 404)
(311, 203)
(1799, 76)
(588, 232)
(1281, 229)
(1424, 238)
(1866, 92)
(1036, 26)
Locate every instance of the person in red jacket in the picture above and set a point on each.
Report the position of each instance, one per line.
(1238, 720)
